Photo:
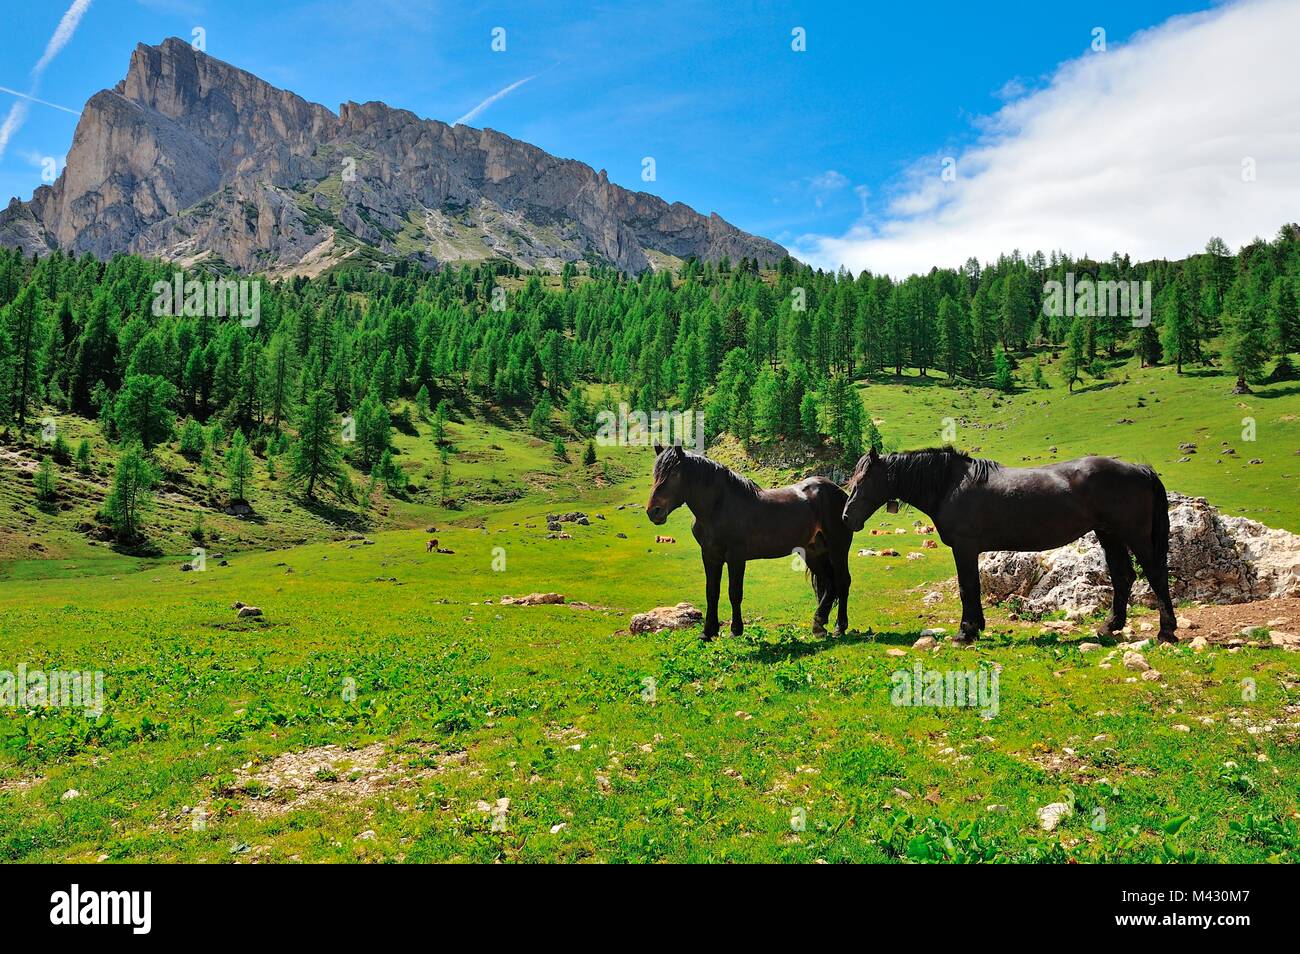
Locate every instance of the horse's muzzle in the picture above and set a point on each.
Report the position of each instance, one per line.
(657, 515)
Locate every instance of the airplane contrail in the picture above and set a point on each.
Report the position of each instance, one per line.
(14, 92)
(62, 34)
(58, 40)
(499, 94)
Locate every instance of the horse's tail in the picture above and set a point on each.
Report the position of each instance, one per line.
(1159, 522)
(812, 578)
(828, 508)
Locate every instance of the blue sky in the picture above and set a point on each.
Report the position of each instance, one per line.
(819, 149)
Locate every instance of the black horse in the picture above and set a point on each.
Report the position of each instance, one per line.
(979, 505)
(736, 521)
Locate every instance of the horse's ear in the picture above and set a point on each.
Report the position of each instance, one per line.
(872, 453)
(659, 449)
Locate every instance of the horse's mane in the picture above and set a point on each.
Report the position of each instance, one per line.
(707, 468)
(926, 473)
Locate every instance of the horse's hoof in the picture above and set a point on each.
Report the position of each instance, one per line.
(840, 631)
(818, 628)
(1165, 637)
(1108, 629)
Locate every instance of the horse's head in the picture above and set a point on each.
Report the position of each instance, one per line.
(868, 489)
(669, 490)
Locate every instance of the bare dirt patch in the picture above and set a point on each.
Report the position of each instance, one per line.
(21, 784)
(18, 460)
(296, 779)
(1061, 763)
(1221, 623)
(564, 733)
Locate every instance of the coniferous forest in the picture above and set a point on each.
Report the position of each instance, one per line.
(765, 355)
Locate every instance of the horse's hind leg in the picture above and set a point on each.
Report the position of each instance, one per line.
(1120, 565)
(842, 582)
(1157, 576)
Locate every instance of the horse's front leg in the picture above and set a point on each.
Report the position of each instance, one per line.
(968, 581)
(712, 589)
(736, 592)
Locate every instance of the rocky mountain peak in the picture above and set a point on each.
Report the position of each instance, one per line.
(191, 159)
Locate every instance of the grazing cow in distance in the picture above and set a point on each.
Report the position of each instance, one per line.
(430, 546)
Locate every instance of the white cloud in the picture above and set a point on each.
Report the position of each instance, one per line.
(863, 193)
(1013, 88)
(821, 186)
(34, 158)
(1139, 149)
(828, 180)
(58, 40)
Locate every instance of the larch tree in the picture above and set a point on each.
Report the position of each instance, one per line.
(1178, 327)
(23, 319)
(131, 493)
(1283, 326)
(1075, 358)
(316, 455)
(239, 466)
(142, 410)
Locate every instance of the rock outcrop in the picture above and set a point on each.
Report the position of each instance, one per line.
(191, 159)
(533, 599)
(681, 616)
(1212, 558)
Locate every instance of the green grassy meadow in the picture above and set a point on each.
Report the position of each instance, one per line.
(611, 747)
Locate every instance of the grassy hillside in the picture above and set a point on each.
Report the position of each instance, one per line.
(1140, 414)
(440, 702)
(490, 464)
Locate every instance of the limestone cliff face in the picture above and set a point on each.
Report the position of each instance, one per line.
(189, 158)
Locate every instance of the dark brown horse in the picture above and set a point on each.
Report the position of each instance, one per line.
(736, 521)
(979, 505)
